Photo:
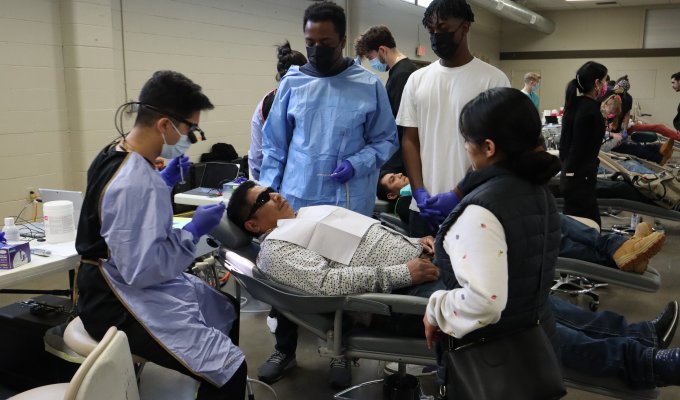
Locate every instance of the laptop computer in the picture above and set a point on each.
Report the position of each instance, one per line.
(57, 194)
(210, 177)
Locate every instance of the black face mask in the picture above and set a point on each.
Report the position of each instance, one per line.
(443, 45)
(321, 57)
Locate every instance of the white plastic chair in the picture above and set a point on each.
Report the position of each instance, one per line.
(107, 369)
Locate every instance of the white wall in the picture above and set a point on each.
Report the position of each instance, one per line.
(585, 30)
(34, 132)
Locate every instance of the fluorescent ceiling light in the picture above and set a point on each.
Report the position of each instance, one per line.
(424, 3)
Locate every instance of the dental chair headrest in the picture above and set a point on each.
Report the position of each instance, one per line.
(230, 235)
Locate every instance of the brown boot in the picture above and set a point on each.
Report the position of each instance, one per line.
(638, 267)
(634, 252)
(643, 229)
(666, 151)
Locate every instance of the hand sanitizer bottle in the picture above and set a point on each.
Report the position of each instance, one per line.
(11, 230)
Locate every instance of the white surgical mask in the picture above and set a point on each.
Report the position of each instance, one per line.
(170, 151)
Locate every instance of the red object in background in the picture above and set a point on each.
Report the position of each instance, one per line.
(420, 51)
(159, 163)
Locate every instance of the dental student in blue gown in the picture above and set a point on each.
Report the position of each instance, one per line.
(331, 127)
(131, 274)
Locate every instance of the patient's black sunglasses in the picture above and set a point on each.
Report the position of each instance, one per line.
(261, 200)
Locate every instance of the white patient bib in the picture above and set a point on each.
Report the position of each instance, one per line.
(331, 231)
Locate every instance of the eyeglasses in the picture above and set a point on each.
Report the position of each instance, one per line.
(193, 128)
(261, 200)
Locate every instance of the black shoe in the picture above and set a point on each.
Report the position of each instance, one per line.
(276, 367)
(666, 367)
(665, 324)
(340, 375)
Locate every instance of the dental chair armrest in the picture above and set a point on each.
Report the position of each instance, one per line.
(397, 303)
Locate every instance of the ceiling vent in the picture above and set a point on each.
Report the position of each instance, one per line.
(513, 11)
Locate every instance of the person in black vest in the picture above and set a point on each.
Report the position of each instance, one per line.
(501, 242)
(286, 58)
(583, 129)
(507, 226)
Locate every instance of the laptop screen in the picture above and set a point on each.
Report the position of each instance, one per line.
(213, 174)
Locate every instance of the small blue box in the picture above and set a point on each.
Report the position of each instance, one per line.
(14, 255)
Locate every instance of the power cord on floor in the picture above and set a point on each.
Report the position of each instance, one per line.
(251, 395)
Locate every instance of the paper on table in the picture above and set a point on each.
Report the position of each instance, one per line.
(64, 249)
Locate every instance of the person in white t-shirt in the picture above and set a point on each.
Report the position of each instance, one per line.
(433, 148)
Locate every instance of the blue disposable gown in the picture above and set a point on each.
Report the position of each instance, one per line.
(317, 122)
(145, 270)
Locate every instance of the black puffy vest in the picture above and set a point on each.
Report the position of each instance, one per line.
(520, 206)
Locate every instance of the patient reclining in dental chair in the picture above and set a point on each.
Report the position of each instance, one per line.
(330, 251)
(578, 240)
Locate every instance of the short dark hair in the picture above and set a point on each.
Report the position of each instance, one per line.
(382, 191)
(326, 11)
(676, 76)
(372, 39)
(172, 93)
(286, 58)
(447, 9)
(238, 207)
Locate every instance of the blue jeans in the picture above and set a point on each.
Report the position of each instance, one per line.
(581, 242)
(605, 344)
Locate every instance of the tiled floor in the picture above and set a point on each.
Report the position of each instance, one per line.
(308, 380)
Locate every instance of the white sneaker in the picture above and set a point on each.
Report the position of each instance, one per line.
(411, 369)
(272, 323)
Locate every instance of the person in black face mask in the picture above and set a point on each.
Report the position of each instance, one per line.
(431, 103)
(328, 132)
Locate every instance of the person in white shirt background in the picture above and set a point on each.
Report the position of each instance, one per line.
(433, 149)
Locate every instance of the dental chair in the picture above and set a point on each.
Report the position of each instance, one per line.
(325, 317)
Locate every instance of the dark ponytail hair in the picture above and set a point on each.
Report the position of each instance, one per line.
(287, 57)
(583, 82)
(507, 117)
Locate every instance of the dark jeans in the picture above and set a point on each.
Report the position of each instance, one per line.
(645, 151)
(605, 344)
(286, 333)
(582, 242)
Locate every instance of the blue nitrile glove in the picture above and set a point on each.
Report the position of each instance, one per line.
(624, 135)
(442, 202)
(343, 173)
(2, 237)
(205, 219)
(171, 174)
(421, 195)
